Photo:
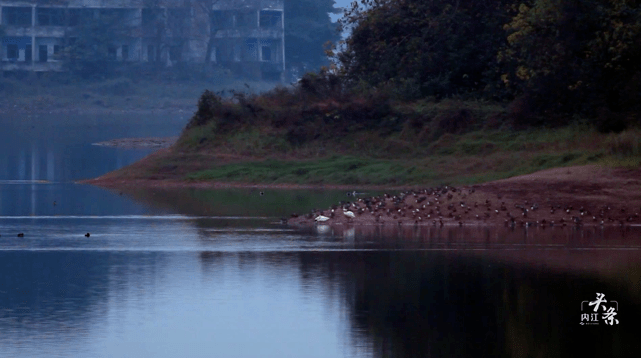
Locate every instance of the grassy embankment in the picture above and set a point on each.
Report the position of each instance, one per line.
(294, 137)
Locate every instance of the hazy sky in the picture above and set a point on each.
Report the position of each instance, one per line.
(343, 3)
(340, 3)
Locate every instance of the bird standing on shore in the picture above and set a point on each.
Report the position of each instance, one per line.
(349, 214)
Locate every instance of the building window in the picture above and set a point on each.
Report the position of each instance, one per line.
(112, 53)
(28, 55)
(81, 16)
(43, 55)
(266, 53)
(177, 22)
(175, 53)
(116, 15)
(270, 19)
(149, 16)
(125, 52)
(246, 19)
(252, 49)
(12, 52)
(50, 17)
(17, 16)
(56, 49)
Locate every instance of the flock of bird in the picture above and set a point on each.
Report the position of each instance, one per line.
(449, 205)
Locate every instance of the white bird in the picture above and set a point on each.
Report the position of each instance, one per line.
(349, 214)
(321, 218)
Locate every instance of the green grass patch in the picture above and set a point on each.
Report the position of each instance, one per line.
(370, 157)
(334, 169)
(431, 170)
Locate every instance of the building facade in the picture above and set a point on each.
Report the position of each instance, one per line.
(246, 36)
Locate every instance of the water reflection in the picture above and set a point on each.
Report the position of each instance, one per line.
(358, 304)
(275, 203)
(414, 304)
(472, 237)
(58, 147)
(56, 199)
(41, 155)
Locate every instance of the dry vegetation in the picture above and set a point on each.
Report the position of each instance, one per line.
(319, 133)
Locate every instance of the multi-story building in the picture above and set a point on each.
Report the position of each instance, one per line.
(246, 36)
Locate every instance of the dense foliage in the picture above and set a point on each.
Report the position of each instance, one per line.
(576, 56)
(90, 51)
(432, 47)
(563, 57)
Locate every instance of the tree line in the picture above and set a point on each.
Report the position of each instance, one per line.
(556, 58)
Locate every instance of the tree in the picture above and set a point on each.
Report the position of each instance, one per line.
(168, 29)
(575, 56)
(307, 28)
(440, 47)
(90, 51)
(207, 7)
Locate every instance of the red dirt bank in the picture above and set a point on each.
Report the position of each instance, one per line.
(585, 195)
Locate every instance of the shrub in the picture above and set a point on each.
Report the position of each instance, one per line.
(625, 144)
(608, 121)
(454, 121)
(209, 105)
(322, 85)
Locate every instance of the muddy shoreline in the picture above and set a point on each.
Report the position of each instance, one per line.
(571, 196)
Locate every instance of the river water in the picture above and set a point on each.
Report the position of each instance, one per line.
(213, 273)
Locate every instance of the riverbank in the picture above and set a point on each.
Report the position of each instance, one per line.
(244, 158)
(590, 195)
(572, 196)
(301, 138)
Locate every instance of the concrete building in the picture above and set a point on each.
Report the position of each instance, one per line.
(246, 36)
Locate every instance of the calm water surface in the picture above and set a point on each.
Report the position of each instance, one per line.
(202, 273)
